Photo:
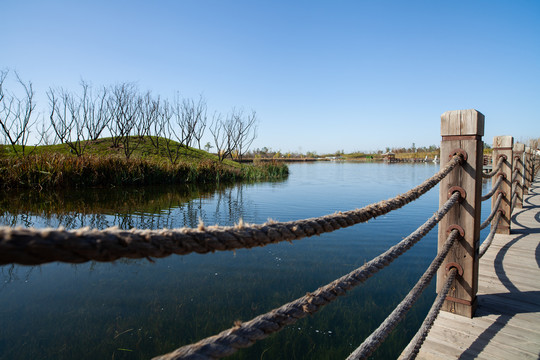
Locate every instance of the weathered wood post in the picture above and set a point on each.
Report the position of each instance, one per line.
(536, 163)
(519, 149)
(502, 147)
(528, 175)
(462, 132)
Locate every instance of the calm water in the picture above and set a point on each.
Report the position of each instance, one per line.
(137, 309)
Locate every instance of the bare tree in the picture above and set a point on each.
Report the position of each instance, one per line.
(245, 131)
(119, 107)
(43, 132)
(16, 114)
(190, 120)
(217, 129)
(233, 135)
(72, 117)
(156, 128)
(98, 112)
(59, 115)
(199, 125)
(125, 105)
(224, 133)
(172, 148)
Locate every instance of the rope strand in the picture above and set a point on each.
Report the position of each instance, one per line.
(494, 210)
(495, 170)
(411, 351)
(514, 199)
(493, 189)
(489, 238)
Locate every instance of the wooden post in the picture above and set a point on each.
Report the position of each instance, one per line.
(502, 147)
(462, 131)
(528, 175)
(519, 149)
(535, 163)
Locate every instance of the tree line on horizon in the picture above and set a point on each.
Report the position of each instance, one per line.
(123, 113)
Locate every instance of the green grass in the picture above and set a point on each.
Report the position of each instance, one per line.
(103, 165)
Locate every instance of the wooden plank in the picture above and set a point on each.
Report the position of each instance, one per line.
(491, 346)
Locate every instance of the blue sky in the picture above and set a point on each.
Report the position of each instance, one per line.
(321, 75)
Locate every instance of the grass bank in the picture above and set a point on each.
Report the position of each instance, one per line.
(54, 167)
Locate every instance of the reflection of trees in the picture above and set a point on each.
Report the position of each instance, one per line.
(149, 207)
(230, 205)
(11, 273)
(146, 207)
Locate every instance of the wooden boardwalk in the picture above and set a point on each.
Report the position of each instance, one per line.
(507, 322)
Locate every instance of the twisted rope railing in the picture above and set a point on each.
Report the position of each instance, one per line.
(37, 246)
(494, 210)
(515, 174)
(494, 170)
(493, 189)
(245, 334)
(411, 351)
(514, 199)
(373, 341)
(489, 238)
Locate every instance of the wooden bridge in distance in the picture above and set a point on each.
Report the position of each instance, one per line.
(506, 324)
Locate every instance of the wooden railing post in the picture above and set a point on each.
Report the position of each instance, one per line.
(462, 132)
(519, 149)
(528, 174)
(536, 163)
(502, 147)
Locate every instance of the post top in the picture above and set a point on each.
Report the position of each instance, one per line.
(519, 147)
(462, 122)
(503, 142)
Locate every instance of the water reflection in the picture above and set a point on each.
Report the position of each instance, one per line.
(145, 207)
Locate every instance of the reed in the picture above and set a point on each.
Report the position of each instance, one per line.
(53, 170)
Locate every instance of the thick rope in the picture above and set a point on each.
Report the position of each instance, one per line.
(493, 189)
(37, 246)
(515, 174)
(514, 199)
(245, 334)
(411, 351)
(494, 210)
(489, 238)
(372, 342)
(495, 170)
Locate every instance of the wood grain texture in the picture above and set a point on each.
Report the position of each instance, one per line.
(467, 213)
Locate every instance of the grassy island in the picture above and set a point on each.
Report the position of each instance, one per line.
(104, 165)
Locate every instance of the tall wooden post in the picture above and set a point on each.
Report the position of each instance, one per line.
(535, 163)
(462, 132)
(519, 149)
(502, 147)
(528, 174)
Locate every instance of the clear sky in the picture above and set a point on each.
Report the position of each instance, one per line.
(321, 75)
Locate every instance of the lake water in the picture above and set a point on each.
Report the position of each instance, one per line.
(135, 309)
